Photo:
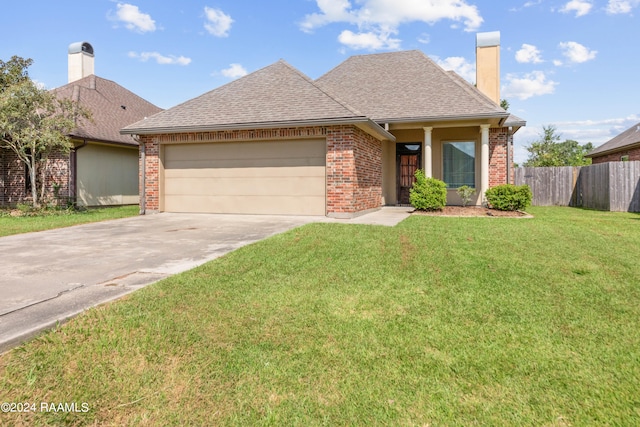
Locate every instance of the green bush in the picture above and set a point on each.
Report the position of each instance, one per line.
(427, 194)
(465, 192)
(509, 197)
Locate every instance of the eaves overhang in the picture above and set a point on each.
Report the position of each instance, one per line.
(362, 122)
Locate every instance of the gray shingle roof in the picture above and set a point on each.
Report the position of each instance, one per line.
(627, 138)
(105, 99)
(406, 86)
(277, 94)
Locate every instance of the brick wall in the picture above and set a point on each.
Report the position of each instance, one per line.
(13, 176)
(354, 171)
(498, 151)
(151, 170)
(354, 162)
(634, 154)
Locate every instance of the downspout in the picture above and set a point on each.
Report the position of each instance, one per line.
(509, 150)
(143, 174)
(73, 176)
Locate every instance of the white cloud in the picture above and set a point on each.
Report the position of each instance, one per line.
(527, 86)
(580, 7)
(464, 68)
(424, 38)
(133, 19)
(218, 23)
(160, 59)
(621, 6)
(235, 71)
(577, 53)
(528, 54)
(369, 40)
(376, 20)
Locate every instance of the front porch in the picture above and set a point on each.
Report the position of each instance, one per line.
(479, 156)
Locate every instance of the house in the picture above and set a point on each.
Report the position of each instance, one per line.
(102, 167)
(624, 147)
(277, 142)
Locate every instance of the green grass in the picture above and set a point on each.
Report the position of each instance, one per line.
(438, 321)
(57, 219)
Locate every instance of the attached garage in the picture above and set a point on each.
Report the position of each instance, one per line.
(252, 177)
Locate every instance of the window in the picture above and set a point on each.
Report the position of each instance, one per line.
(459, 164)
(624, 158)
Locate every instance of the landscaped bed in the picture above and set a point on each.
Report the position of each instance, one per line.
(437, 321)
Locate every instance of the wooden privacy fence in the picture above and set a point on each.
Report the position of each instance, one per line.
(613, 186)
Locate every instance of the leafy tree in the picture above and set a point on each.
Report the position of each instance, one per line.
(33, 122)
(549, 151)
(504, 104)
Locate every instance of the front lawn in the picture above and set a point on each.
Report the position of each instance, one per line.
(62, 218)
(438, 321)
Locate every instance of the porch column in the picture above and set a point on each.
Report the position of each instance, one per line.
(426, 153)
(484, 159)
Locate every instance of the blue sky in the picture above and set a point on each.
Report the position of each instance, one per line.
(570, 63)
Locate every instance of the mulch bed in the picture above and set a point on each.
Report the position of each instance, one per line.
(473, 211)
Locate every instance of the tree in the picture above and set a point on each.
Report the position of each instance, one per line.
(504, 104)
(549, 151)
(33, 122)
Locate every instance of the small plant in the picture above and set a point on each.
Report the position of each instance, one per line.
(428, 194)
(465, 192)
(509, 197)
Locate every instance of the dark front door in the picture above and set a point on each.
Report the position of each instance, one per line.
(407, 161)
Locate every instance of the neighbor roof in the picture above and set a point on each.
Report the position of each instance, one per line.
(626, 139)
(112, 107)
(277, 95)
(406, 86)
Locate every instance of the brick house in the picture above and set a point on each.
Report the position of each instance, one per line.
(277, 142)
(102, 167)
(624, 147)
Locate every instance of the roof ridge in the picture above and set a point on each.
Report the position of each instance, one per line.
(321, 89)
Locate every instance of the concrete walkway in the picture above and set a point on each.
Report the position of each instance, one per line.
(51, 276)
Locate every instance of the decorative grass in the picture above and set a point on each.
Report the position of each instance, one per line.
(438, 321)
(48, 220)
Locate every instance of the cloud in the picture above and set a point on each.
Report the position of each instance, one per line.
(133, 19)
(235, 71)
(161, 59)
(528, 54)
(576, 53)
(369, 40)
(527, 86)
(377, 20)
(424, 38)
(218, 23)
(615, 7)
(580, 7)
(464, 68)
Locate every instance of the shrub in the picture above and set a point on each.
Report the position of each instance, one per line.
(509, 197)
(428, 194)
(465, 192)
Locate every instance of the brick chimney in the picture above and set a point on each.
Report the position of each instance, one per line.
(81, 61)
(488, 64)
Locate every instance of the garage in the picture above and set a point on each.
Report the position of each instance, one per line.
(253, 177)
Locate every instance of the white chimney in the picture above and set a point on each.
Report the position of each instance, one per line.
(81, 61)
(488, 64)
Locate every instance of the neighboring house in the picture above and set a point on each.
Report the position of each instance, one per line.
(102, 168)
(276, 142)
(624, 147)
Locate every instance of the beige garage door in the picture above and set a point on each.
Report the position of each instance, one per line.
(275, 177)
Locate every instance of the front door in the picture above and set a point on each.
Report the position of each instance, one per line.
(407, 161)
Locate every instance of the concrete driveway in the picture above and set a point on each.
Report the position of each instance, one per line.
(51, 276)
